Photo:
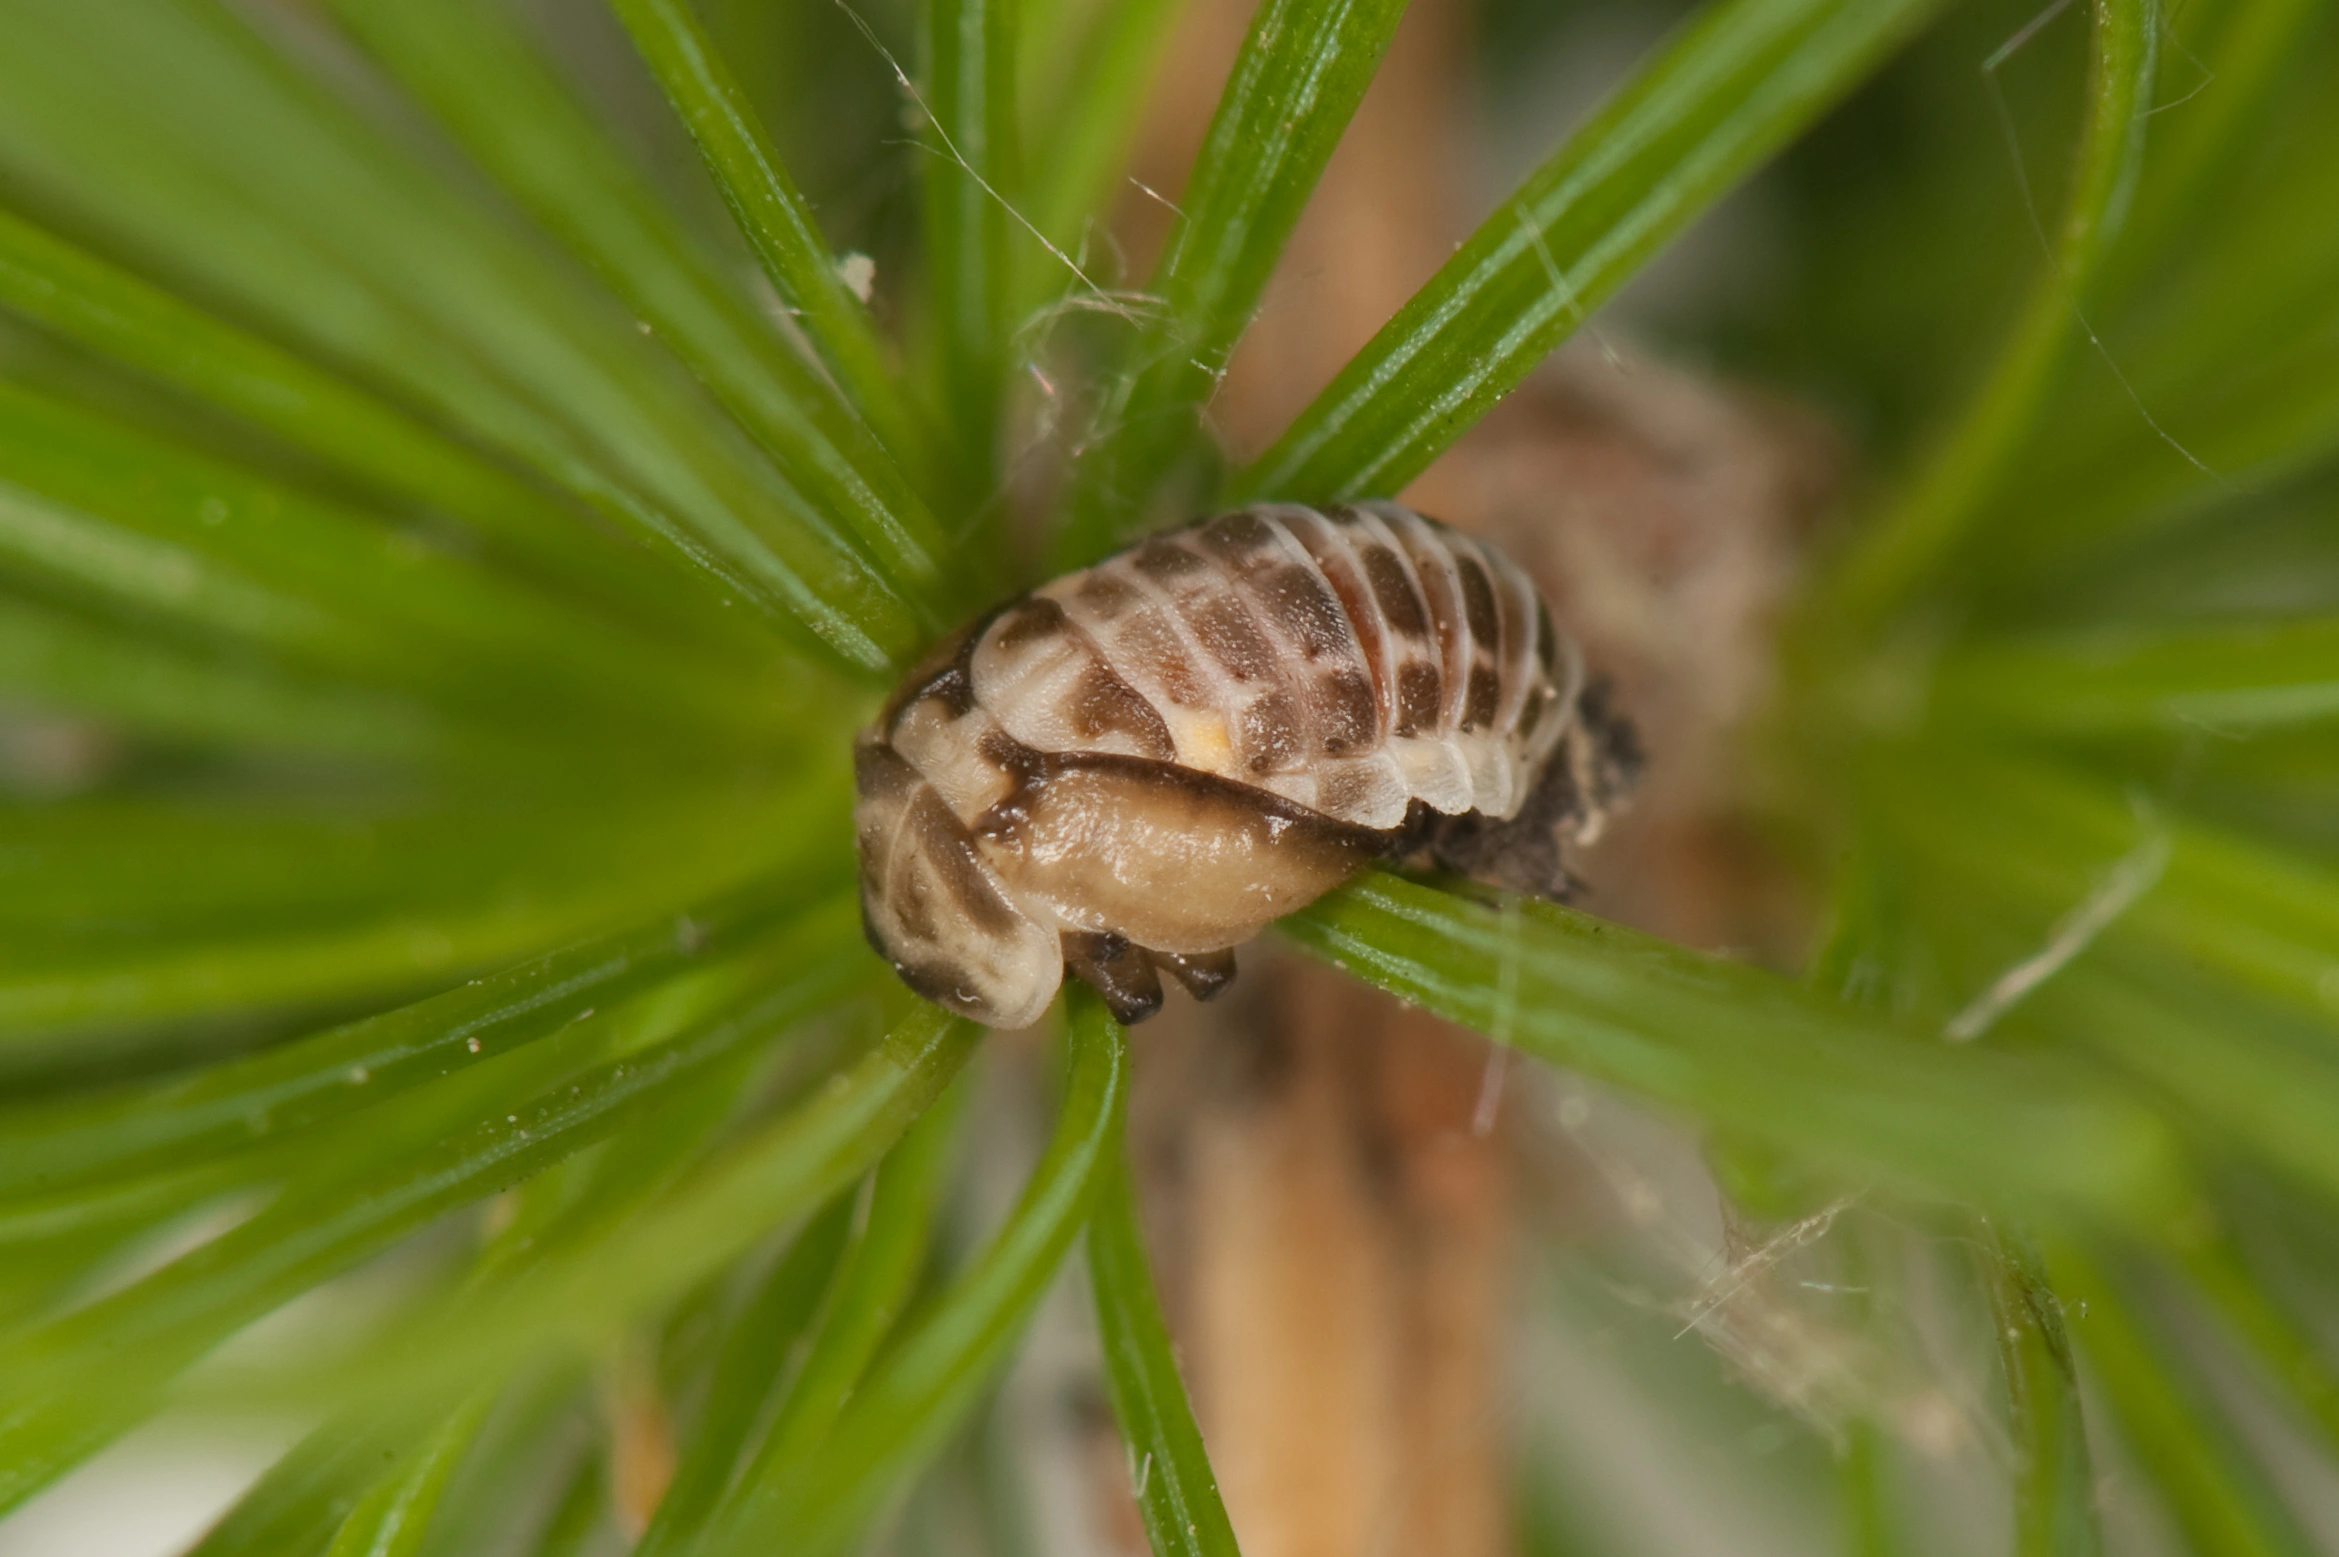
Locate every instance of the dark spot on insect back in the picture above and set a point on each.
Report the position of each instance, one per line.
(879, 772)
(1400, 603)
(1145, 643)
(1478, 608)
(1485, 697)
(1238, 535)
(1298, 604)
(1420, 690)
(954, 689)
(1108, 594)
(1165, 560)
(1347, 718)
(1351, 595)
(1036, 620)
(1532, 715)
(1268, 731)
(942, 675)
(1103, 704)
(1011, 757)
(1443, 594)
(1227, 632)
(950, 853)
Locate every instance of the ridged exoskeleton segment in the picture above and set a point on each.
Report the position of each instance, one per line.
(1135, 767)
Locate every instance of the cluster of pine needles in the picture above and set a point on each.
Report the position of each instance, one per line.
(443, 560)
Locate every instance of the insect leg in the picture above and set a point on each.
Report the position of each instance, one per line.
(1204, 973)
(1120, 972)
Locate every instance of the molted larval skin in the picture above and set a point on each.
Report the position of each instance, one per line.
(1135, 767)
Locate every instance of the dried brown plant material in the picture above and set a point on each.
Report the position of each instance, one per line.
(1331, 1222)
(641, 1438)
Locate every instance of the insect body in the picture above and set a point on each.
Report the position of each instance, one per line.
(1135, 767)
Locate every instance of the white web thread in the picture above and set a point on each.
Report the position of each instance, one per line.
(1134, 308)
(2168, 37)
(1164, 201)
(2005, 116)
(2165, 19)
(1755, 1261)
(957, 158)
(1567, 294)
(1812, 1366)
(2134, 875)
(1506, 1013)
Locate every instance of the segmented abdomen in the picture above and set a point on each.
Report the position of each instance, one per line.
(1351, 660)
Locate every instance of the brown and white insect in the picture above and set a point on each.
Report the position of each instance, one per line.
(1135, 767)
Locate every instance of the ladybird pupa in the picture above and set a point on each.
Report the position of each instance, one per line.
(1135, 767)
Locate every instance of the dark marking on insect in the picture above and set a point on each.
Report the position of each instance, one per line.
(1103, 704)
(1268, 731)
(944, 675)
(1347, 715)
(1393, 591)
(1132, 769)
(1418, 693)
(1478, 601)
(1035, 620)
(1227, 629)
(1164, 559)
(1108, 595)
(1485, 696)
(1301, 605)
(1237, 535)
